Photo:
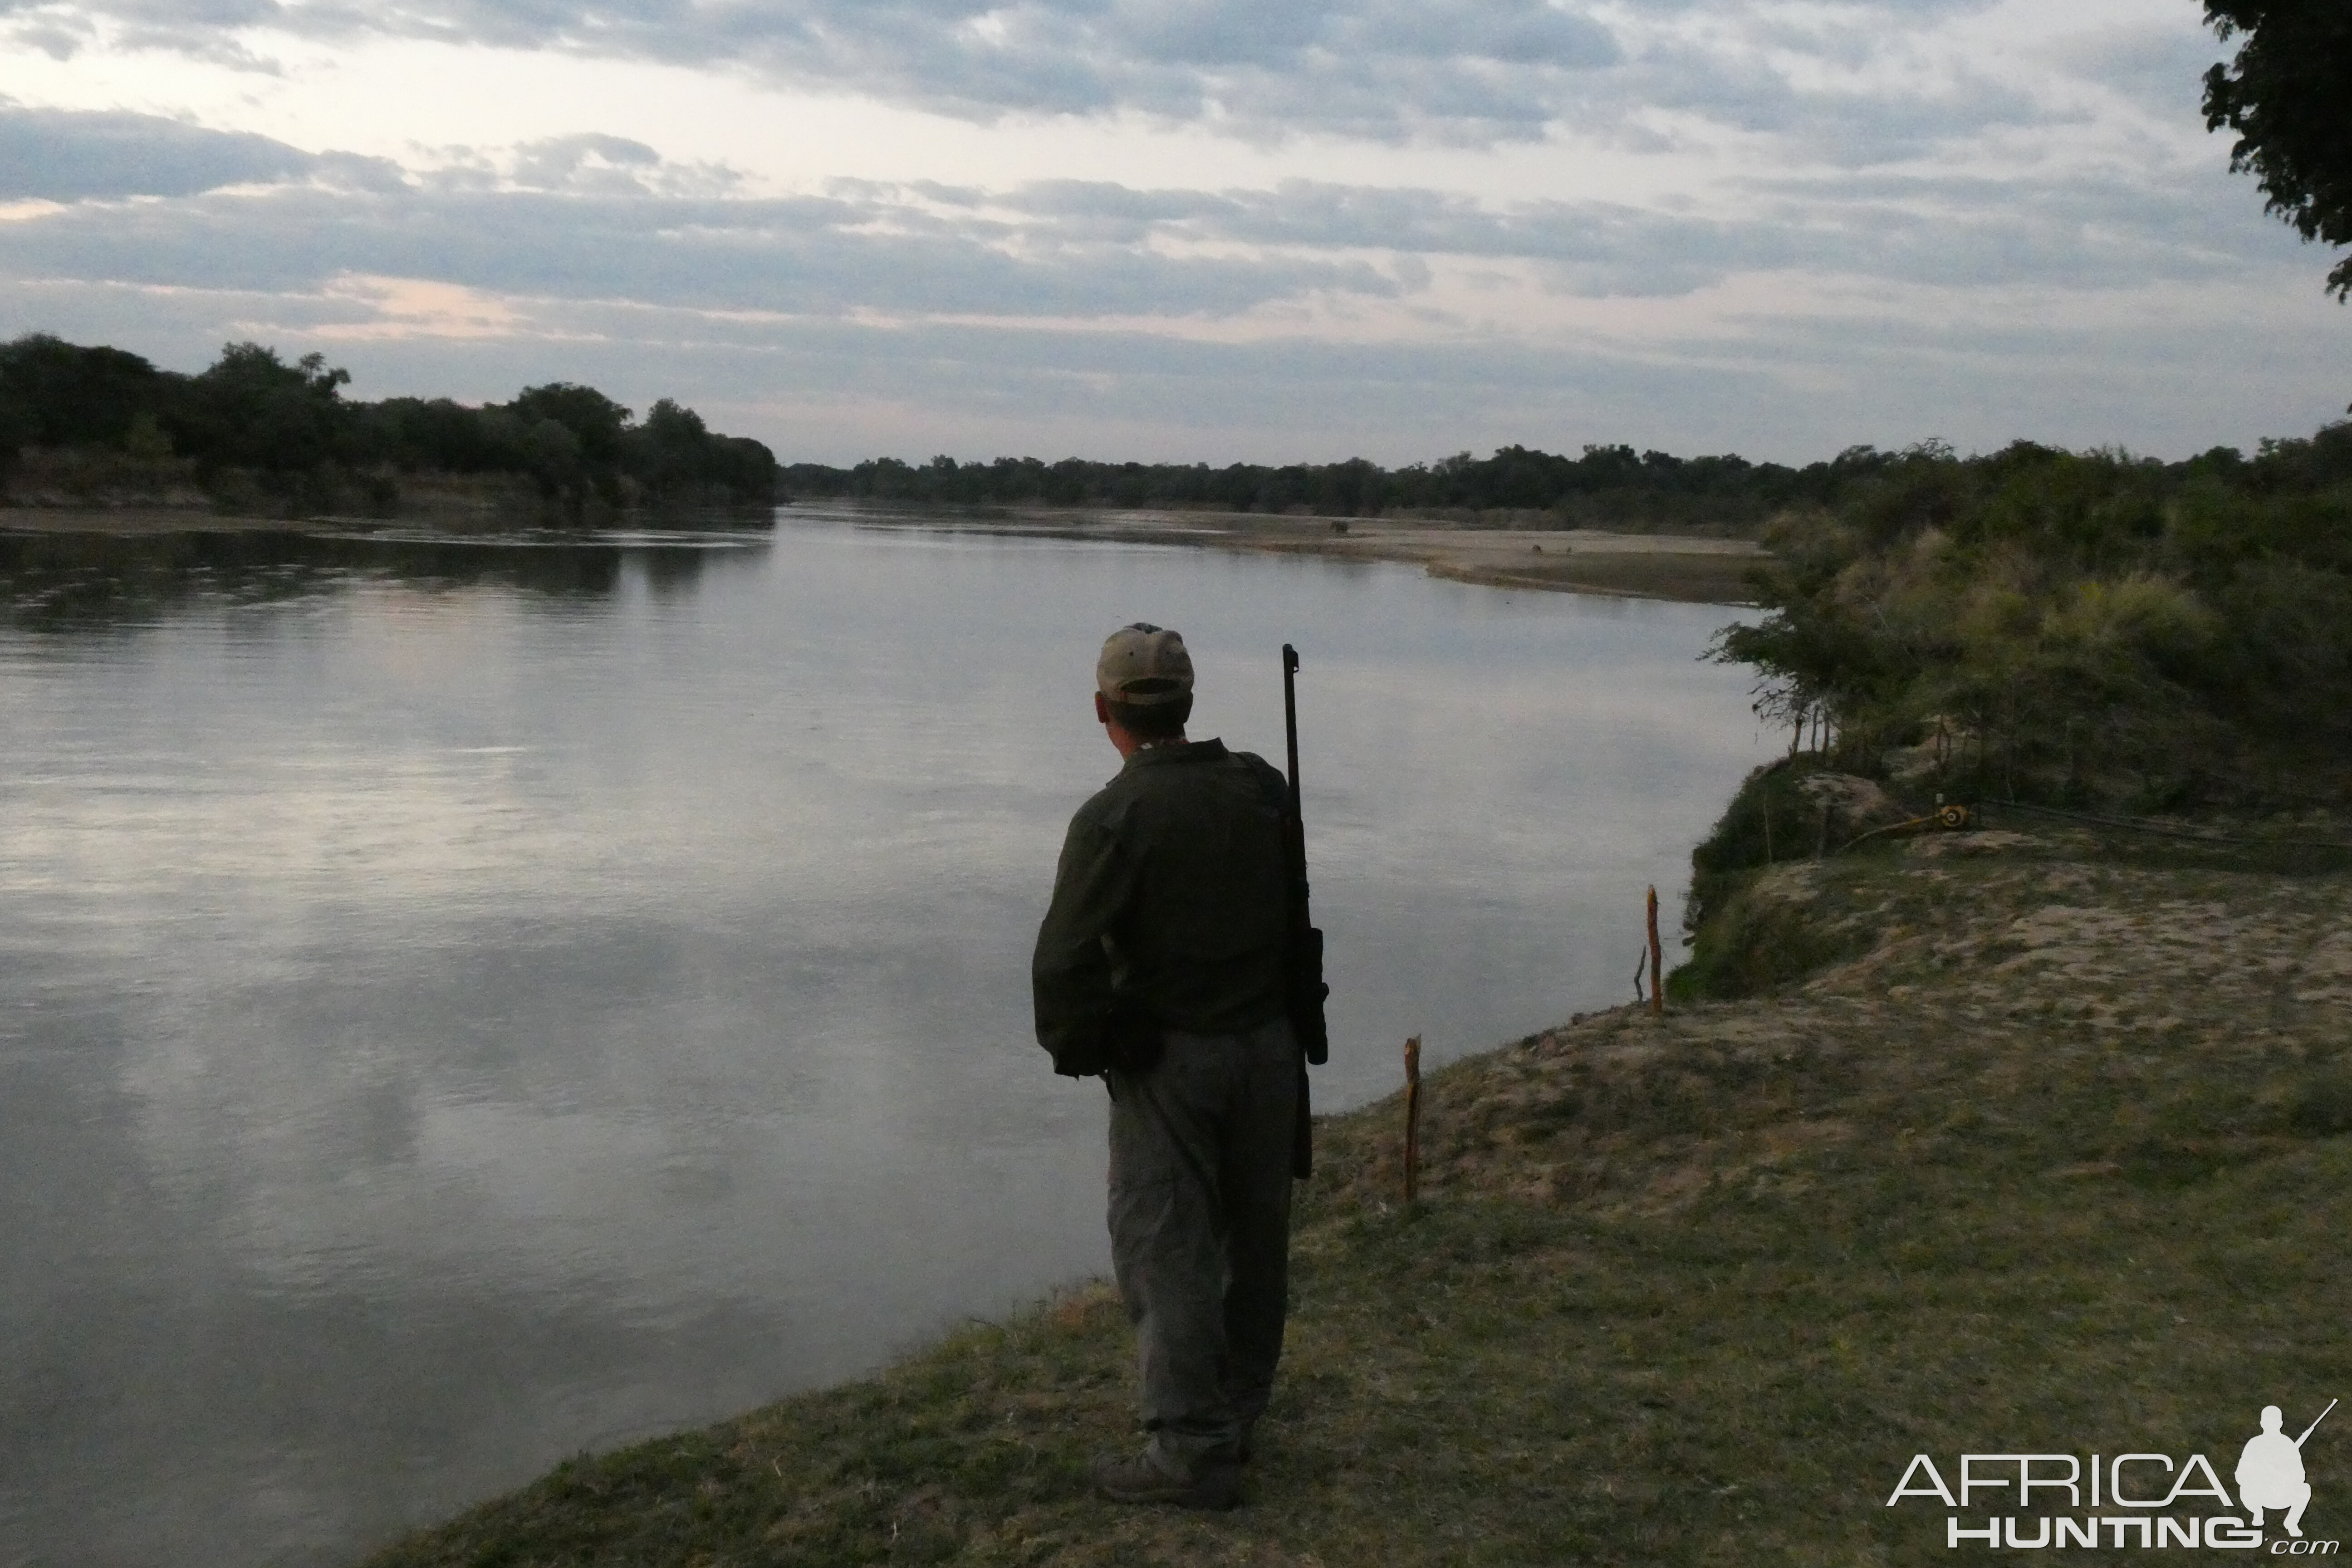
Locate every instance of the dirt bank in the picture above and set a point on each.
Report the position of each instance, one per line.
(132, 520)
(1693, 568)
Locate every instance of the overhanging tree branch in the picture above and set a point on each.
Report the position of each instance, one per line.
(2285, 95)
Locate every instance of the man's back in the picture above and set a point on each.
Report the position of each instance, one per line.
(1178, 861)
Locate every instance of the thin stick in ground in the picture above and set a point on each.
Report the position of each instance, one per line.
(1657, 972)
(1411, 1118)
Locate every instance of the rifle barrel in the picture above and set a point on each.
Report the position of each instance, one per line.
(1290, 722)
(2314, 1424)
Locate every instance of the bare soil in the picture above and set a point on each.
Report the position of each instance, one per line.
(133, 520)
(1693, 568)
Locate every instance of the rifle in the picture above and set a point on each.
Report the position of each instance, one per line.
(2314, 1426)
(1303, 954)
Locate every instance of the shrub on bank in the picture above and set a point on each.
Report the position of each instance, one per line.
(2077, 628)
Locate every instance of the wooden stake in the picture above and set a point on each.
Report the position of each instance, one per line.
(1412, 1117)
(1657, 969)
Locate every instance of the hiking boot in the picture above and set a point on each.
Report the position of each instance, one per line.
(1214, 1484)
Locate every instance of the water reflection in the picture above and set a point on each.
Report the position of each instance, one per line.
(91, 582)
(463, 1002)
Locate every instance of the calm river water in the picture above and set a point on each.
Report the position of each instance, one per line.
(465, 1002)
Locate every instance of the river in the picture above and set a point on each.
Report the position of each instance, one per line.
(463, 1002)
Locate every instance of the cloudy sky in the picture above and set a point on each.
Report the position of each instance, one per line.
(1185, 229)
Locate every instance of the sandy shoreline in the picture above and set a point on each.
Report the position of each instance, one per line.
(138, 520)
(1690, 568)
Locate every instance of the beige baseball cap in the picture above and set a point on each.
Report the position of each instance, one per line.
(1144, 665)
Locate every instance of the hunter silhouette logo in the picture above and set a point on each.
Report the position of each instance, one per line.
(2118, 1500)
(2270, 1472)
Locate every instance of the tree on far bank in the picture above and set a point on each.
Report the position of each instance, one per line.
(595, 420)
(252, 410)
(2286, 95)
(252, 419)
(56, 394)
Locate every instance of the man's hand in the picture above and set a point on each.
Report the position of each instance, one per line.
(1126, 1038)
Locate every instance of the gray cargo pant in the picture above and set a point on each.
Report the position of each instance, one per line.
(1199, 1231)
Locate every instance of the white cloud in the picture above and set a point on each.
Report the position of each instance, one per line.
(58, 156)
(1859, 81)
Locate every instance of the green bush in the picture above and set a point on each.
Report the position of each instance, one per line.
(2094, 628)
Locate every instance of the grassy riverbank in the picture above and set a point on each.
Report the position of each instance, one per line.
(2055, 1153)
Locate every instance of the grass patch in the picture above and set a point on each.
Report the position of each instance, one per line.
(2055, 1156)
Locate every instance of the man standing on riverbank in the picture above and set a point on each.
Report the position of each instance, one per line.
(1160, 966)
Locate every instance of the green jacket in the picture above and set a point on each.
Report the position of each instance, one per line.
(1169, 900)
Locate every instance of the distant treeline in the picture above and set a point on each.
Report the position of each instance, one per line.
(1604, 484)
(253, 425)
(2075, 628)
